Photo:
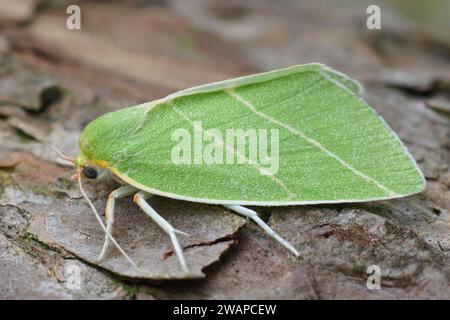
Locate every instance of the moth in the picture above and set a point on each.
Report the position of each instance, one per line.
(331, 147)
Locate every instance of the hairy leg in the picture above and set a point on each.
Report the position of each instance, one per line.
(109, 214)
(139, 199)
(254, 216)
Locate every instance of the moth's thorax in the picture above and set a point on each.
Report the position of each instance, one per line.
(104, 140)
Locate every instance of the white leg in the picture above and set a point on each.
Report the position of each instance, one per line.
(254, 216)
(109, 214)
(139, 199)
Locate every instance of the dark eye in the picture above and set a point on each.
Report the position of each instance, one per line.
(90, 172)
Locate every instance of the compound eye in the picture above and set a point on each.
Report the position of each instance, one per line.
(90, 173)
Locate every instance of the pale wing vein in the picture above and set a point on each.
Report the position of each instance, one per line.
(310, 140)
(255, 166)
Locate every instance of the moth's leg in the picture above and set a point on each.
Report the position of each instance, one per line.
(109, 214)
(254, 216)
(139, 199)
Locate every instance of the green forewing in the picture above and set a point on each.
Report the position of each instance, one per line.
(332, 146)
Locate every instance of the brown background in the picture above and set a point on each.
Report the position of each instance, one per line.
(53, 81)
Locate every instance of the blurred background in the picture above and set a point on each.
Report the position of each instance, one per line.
(172, 44)
(54, 80)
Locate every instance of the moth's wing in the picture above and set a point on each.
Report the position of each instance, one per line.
(332, 146)
(350, 84)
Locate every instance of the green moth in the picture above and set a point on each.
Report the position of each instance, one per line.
(299, 135)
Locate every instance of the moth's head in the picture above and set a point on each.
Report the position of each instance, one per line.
(88, 170)
(83, 167)
(94, 173)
